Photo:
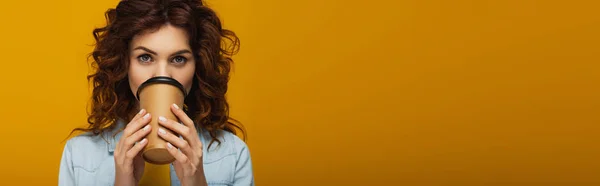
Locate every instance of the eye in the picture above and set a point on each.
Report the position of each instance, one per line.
(179, 59)
(144, 58)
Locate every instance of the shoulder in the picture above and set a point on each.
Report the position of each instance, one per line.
(89, 142)
(86, 139)
(230, 145)
(86, 159)
(87, 148)
(227, 162)
(232, 140)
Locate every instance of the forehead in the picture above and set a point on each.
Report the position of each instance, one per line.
(166, 38)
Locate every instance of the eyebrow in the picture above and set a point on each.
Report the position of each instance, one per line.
(154, 53)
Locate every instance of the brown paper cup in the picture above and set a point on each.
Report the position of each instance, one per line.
(156, 95)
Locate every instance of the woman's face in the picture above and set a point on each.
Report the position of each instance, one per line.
(164, 52)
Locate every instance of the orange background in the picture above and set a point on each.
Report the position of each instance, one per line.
(408, 92)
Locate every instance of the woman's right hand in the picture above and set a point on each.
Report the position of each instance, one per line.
(129, 165)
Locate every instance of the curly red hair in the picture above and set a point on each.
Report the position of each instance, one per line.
(212, 46)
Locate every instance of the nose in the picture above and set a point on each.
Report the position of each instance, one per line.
(162, 69)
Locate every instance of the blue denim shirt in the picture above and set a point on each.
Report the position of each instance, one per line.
(88, 160)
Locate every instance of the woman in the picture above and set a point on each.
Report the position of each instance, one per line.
(181, 39)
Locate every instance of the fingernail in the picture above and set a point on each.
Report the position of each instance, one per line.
(141, 111)
(147, 116)
(146, 127)
(175, 106)
(162, 119)
(143, 141)
(161, 131)
(169, 145)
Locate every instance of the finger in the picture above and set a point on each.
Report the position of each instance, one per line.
(137, 136)
(137, 116)
(182, 116)
(135, 150)
(135, 125)
(179, 156)
(176, 127)
(182, 144)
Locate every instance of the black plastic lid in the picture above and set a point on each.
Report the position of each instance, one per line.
(161, 80)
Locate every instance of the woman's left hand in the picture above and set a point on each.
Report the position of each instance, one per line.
(188, 159)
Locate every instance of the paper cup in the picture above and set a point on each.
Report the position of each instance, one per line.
(156, 95)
